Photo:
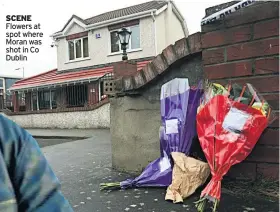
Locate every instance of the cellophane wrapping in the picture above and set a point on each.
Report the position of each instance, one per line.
(230, 121)
(179, 105)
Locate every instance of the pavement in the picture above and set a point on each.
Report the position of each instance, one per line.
(83, 164)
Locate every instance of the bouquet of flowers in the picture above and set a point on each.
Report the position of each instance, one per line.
(179, 104)
(230, 121)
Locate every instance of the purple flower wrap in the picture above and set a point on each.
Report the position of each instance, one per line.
(179, 105)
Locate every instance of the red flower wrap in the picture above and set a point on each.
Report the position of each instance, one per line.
(222, 147)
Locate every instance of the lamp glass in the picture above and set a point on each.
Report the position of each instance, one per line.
(124, 36)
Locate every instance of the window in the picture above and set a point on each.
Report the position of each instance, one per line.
(44, 99)
(53, 99)
(134, 42)
(1, 93)
(9, 82)
(85, 47)
(1, 83)
(34, 100)
(135, 37)
(22, 97)
(115, 44)
(78, 48)
(77, 95)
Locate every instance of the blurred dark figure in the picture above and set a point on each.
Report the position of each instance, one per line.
(27, 182)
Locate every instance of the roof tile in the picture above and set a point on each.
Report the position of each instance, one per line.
(156, 4)
(126, 11)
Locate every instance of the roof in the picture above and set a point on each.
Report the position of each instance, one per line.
(52, 77)
(126, 11)
(151, 5)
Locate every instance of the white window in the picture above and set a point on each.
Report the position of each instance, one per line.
(1, 88)
(78, 48)
(1, 83)
(134, 42)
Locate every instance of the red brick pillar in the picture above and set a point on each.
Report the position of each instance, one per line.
(93, 93)
(124, 68)
(244, 47)
(15, 101)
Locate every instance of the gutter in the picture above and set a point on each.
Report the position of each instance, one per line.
(181, 18)
(112, 21)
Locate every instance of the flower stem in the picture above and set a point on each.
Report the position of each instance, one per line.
(110, 186)
(200, 204)
(215, 205)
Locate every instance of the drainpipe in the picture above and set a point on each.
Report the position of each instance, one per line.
(155, 32)
(168, 23)
(181, 19)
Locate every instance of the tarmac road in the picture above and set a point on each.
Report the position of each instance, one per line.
(83, 164)
(43, 142)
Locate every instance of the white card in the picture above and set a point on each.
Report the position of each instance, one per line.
(235, 120)
(171, 126)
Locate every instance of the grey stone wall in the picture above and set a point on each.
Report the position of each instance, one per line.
(134, 132)
(135, 120)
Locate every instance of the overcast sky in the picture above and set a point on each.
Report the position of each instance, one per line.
(53, 14)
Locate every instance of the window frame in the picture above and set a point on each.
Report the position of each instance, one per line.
(41, 99)
(129, 49)
(3, 89)
(82, 49)
(53, 105)
(3, 85)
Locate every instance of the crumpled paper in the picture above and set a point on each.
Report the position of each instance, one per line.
(188, 175)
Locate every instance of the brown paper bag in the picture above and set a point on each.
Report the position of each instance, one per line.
(188, 175)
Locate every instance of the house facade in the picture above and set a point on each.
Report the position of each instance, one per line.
(83, 43)
(6, 82)
(87, 50)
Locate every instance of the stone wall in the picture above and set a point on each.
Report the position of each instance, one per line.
(135, 118)
(134, 132)
(244, 47)
(97, 118)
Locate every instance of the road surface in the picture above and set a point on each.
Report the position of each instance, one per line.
(83, 164)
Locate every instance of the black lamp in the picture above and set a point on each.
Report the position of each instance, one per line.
(124, 36)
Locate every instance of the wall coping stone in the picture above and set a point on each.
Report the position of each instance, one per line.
(59, 110)
(170, 55)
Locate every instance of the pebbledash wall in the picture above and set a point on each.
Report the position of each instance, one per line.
(97, 116)
(243, 47)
